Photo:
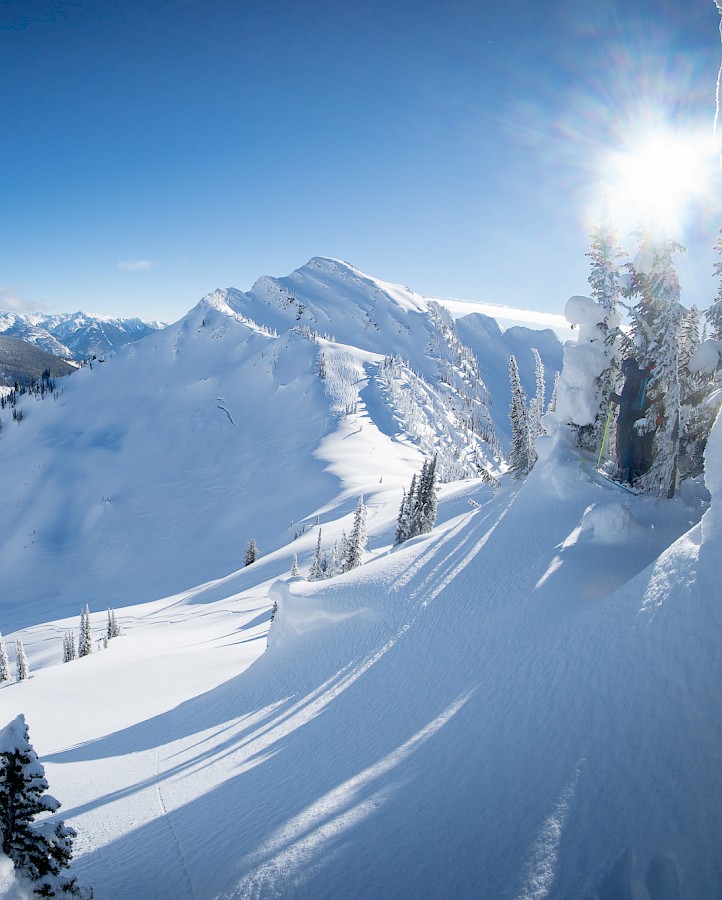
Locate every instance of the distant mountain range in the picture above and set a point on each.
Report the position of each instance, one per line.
(77, 335)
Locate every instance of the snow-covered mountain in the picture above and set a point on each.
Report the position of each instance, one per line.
(521, 704)
(75, 336)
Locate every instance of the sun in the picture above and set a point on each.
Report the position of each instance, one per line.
(657, 179)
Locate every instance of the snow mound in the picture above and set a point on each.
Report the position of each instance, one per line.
(706, 357)
(610, 522)
(581, 311)
(301, 609)
(12, 886)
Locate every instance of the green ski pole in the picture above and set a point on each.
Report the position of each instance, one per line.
(604, 438)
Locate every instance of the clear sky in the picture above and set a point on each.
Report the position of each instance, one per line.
(153, 151)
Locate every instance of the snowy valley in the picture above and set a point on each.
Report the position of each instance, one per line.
(521, 703)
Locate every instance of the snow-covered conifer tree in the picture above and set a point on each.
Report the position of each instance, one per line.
(41, 852)
(85, 637)
(536, 407)
(713, 315)
(334, 563)
(403, 520)
(553, 399)
(4, 662)
(523, 455)
(357, 539)
(69, 649)
(294, 566)
(22, 669)
(656, 324)
(316, 571)
(251, 552)
(423, 516)
(605, 282)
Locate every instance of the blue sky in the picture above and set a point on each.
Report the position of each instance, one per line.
(153, 151)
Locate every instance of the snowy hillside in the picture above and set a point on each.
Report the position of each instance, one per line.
(522, 703)
(75, 335)
(182, 433)
(22, 362)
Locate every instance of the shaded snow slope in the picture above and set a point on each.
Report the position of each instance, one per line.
(24, 363)
(517, 705)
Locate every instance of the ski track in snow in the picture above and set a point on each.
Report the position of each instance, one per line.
(168, 820)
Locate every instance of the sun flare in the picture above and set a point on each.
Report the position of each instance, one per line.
(658, 179)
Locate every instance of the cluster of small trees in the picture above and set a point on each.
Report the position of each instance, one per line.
(525, 417)
(417, 513)
(84, 645)
(343, 558)
(22, 669)
(436, 424)
(40, 852)
(41, 389)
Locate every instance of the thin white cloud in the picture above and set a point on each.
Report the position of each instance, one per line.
(12, 301)
(135, 265)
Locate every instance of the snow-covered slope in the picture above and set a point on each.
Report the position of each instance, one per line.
(521, 704)
(218, 426)
(75, 335)
(22, 362)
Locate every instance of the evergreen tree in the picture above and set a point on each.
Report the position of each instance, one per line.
(22, 669)
(417, 513)
(357, 539)
(403, 520)
(294, 566)
(555, 390)
(316, 571)
(656, 325)
(536, 407)
(713, 315)
(696, 413)
(401, 532)
(40, 852)
(85, 636)
(251, 552)
(4, 662)
(604, 279)
(423, 515)
(523, 455)
(69, 649)
(114, 629)
(334, 562)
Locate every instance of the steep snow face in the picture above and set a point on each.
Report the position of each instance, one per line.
(337, 300)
